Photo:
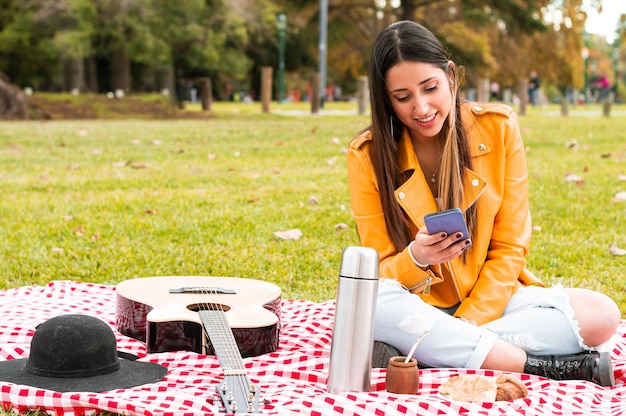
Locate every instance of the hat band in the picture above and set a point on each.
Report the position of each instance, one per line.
(73, 373)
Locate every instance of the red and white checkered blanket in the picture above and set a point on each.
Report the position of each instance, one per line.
(292, 380)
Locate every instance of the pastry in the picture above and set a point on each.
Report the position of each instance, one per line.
(470, 388)
(510, 388)
(476, 388)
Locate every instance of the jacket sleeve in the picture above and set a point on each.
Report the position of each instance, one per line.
(511, 230)
(367, 211)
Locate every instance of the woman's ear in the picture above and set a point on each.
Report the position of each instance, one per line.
(451, 72)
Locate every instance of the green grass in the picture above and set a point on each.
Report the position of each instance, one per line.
(105, 201)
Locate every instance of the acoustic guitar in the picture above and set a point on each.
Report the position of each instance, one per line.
(223, 316)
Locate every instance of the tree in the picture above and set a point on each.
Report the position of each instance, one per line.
(466, 27)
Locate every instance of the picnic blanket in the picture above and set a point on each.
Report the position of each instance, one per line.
(292, 380)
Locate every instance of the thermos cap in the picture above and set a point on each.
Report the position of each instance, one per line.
(359, 262)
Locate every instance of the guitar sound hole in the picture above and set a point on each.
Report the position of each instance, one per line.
(208, 307)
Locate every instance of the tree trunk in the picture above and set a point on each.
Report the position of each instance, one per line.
(12, 102)
(91, 74)
(74, 75)
(482, 90)
(266, 88)
(315, 94)
(362, 94)
(120, 70)
(206, 93)
(408, 10)
(523, 96)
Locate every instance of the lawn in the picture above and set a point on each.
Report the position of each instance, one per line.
(109, 200)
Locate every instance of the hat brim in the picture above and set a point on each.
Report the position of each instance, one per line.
(130, 374)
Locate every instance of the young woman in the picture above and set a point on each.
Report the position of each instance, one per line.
(472, 304)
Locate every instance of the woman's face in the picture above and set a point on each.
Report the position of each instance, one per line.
(421, 96)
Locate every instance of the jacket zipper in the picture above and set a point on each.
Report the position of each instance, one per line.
(426, 283)
(456, 286)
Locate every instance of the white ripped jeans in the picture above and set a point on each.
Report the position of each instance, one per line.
(538, 320)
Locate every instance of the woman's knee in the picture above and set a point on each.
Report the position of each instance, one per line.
(597, 315)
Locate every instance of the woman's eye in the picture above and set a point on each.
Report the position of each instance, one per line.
(403, 98)
(431, 88)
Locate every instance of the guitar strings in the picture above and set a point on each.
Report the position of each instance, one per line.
(233, 367)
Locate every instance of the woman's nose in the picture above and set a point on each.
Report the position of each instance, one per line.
(420, 106)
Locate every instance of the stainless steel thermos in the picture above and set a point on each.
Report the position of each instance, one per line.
(353, 330)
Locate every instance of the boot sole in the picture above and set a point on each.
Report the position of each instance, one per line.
(605, 370)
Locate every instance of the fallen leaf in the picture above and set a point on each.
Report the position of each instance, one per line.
(79, 230)
(572, 144)
(81, 132)
(574, 178)
(177, 151)
(253, 200)
(57, 250)
(313, 200)
(616, 251)
(95, 237)
(150, 211)
(293, 234)
(121, 164)
(140, 165)
(211, 156)
(621, 177)
(620, 197)
(341, 227)
(336, 140)
(605, 155)
(75, 166)
(157, 142)
(237, 154)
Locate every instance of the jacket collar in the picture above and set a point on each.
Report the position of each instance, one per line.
(414, 195)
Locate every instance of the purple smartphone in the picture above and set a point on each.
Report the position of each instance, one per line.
(449, 221)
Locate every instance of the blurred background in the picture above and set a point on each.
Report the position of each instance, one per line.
(517, 51)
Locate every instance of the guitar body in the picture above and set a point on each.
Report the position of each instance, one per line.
(147, 311)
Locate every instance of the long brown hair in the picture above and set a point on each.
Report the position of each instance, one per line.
(409, 41)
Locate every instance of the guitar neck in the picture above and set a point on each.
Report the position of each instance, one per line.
(236, 392)
(222, 338)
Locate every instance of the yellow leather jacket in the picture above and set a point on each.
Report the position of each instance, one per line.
(498, 183)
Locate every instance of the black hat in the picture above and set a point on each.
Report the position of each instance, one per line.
(78, 353)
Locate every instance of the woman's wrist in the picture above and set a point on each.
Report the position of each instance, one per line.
(417, 263)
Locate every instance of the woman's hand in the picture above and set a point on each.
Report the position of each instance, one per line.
(437, 248)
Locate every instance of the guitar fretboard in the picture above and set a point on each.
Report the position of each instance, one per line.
(222, 338)
(236, 392)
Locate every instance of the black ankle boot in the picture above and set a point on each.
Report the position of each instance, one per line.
(591, 366)
(381, 354)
